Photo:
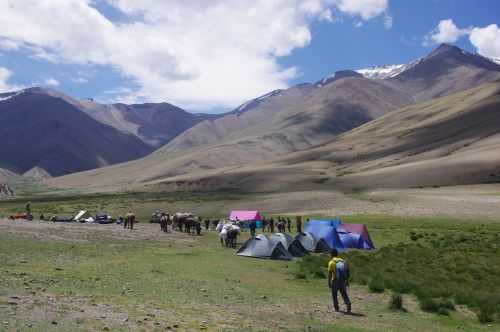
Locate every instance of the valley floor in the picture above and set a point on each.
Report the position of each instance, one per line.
(79, 277)
(73, 277)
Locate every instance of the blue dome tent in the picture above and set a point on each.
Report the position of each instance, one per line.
(326, 231)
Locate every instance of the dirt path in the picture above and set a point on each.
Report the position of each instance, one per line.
(82, 233)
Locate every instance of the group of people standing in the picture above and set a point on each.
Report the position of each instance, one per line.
(128, 222)
(282, 224)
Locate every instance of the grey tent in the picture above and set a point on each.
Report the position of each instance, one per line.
(293, 246)
(263, 247)
(310, 243)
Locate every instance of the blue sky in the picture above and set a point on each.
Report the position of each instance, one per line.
(212, 55)
(343, 46)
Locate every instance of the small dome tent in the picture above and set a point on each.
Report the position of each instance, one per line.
(293, 246)
(310, 243)
(325, 230)
(359, 229)
(261, 246)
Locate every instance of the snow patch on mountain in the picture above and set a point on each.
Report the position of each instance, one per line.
(7, 96)
(382, 72)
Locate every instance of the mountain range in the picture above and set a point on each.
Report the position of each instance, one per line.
(304, 118)
(46, 129)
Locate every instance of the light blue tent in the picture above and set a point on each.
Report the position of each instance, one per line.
(326, 231)
(352, 240)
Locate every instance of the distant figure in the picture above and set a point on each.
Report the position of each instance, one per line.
(163, 222)
(219, 229)
(289, 225)
(120, 220)
(130, 219)
(198, 228)
(338, 280)
(299, 224)
(253, 227)
(264, 224)
(28, 208)
(271, 224)
(207, 224)
(42, 217)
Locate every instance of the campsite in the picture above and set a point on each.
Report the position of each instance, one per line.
(84, 276)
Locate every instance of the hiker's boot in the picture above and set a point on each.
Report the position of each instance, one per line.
(348, 308)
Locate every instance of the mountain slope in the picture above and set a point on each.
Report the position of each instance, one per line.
(285, 121)
(155, 124)
(6, 175)
(297, 119)
(451, 140)
(446, 70)
(40, 129)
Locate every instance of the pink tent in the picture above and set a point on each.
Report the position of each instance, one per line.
(357, 229)
(245, 215)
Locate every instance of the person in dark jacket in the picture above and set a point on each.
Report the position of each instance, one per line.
(253, 227)
(271, 224)
(289, 224)
(298, 223)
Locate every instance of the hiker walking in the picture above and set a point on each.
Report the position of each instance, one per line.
(207, 224)
(338, 280)
(298, 223)
(271, 224)
(289, 224)
(28, 208)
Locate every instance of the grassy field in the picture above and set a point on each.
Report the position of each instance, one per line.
(76, 277)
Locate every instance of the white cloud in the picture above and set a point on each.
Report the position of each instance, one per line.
(486, 40)
(8, 45)
(5, 86)
(79, 80)
(198, 54)
(388, 20)
(51, 82)
(367, 9)
(445, 32)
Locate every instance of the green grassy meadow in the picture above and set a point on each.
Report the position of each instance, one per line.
(112, 281)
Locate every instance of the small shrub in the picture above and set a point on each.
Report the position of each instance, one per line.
(487, 310)
(443, 311)
(428, 304)
(396, 302)
(376, 285)
(485, 317)
(439, 306)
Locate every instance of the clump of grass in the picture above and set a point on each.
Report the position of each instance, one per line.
(312, 266)
(396, 302)
(439, 306)
(376, 285)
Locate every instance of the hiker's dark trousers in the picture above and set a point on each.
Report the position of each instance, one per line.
(339, 286)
